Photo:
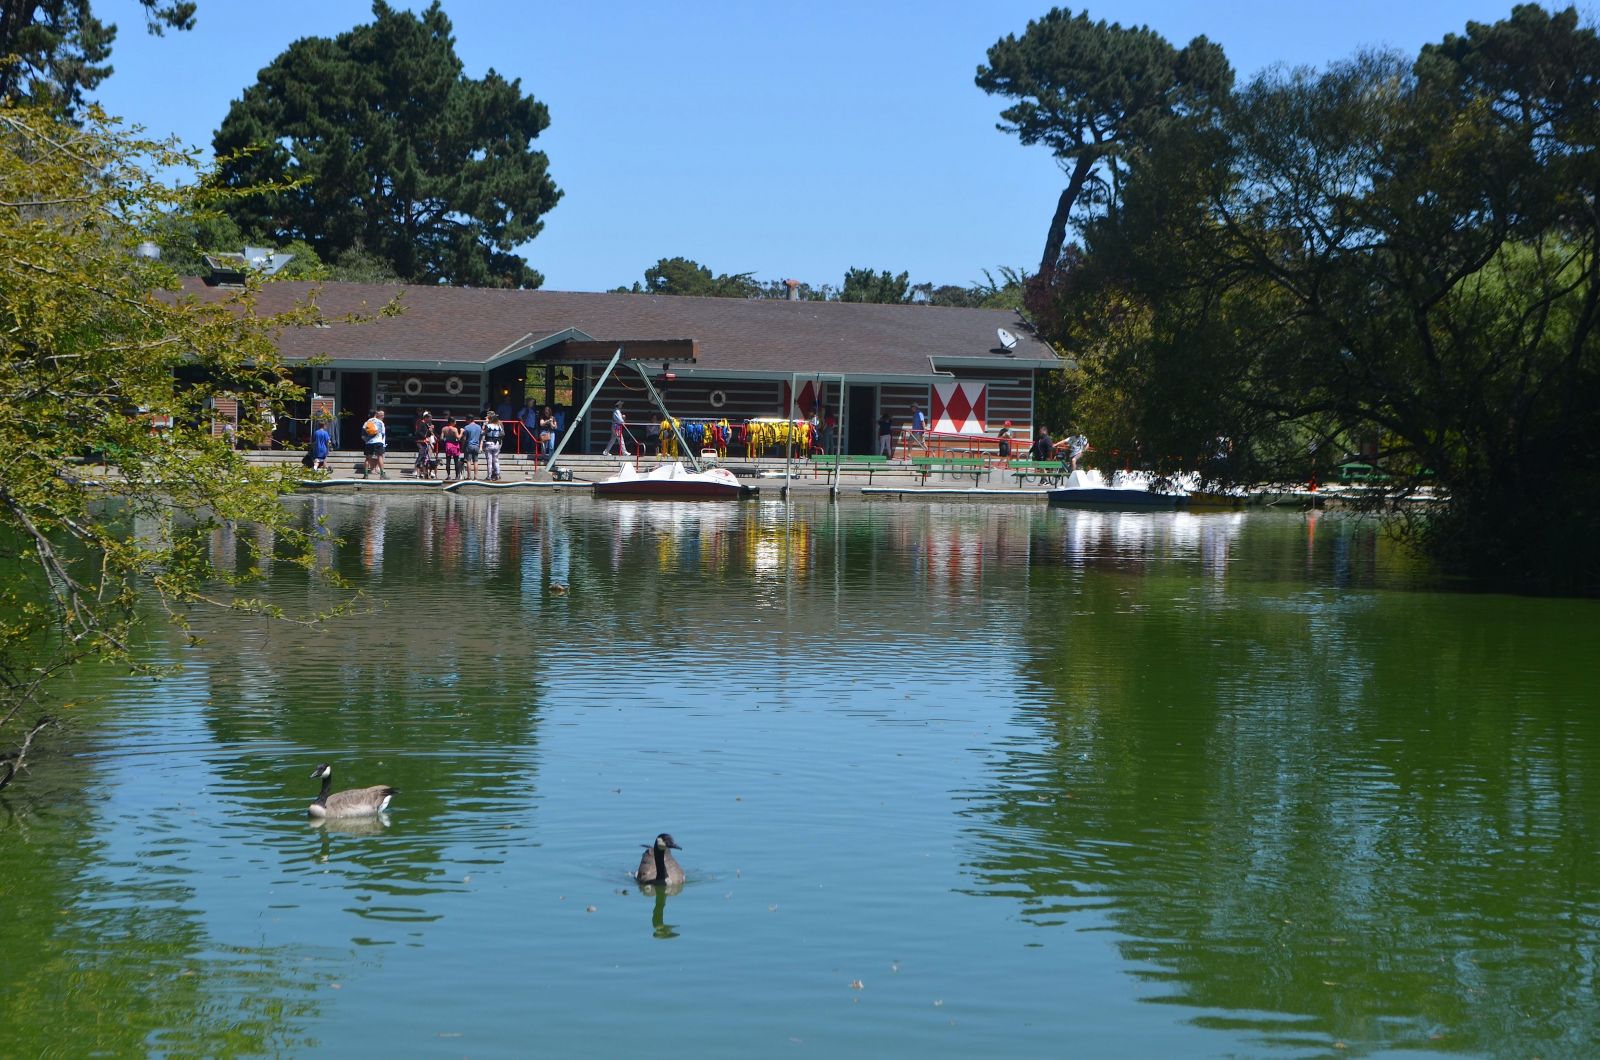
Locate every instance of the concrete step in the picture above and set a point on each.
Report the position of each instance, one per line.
(592, 467)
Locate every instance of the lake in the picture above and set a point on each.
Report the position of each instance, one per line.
(950, 780)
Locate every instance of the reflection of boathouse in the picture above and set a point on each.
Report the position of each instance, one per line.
(456, 350)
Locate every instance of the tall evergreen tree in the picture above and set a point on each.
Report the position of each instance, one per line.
(54, 51)
(1093, 92)
(393, 153)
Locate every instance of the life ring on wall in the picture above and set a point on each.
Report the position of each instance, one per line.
(413, 386)
(452, 386)
(717, 399)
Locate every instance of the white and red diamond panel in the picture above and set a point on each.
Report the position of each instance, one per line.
(960, 408)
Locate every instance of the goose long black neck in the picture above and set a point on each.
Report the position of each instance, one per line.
(661, 861)
(327, 785)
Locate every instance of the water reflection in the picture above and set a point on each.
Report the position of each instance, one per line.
(659, 928)
(328, 826)
(1313, 807)
(1291, 805)
(110, 953)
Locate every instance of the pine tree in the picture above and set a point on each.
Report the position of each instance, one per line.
(392, 153)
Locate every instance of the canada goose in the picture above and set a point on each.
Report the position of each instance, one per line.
(657, 866)
(357, 802)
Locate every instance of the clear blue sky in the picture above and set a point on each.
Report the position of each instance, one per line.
(788, 140)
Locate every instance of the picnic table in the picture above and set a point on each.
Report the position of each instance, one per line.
(976, 466)
(1048, 472)
(869, 461)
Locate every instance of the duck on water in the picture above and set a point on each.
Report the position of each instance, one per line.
(658, 867)
(357, 802)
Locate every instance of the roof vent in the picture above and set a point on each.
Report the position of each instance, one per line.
(794, 289)
(231, 269)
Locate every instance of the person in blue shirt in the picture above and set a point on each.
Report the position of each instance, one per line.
(919, 426)
(471, 445)
(321, 446)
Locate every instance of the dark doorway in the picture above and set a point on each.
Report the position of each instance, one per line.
(355, 402)
(861, 428)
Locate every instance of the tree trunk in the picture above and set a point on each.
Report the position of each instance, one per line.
(1057, 235)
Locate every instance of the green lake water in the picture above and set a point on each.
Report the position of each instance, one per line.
(950, 780)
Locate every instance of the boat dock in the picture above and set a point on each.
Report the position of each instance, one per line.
(889, 480)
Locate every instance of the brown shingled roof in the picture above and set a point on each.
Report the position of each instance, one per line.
(459, 326)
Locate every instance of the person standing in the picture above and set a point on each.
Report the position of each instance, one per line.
(1003, 440)
(321, 446)
(422, 433)
(471, 445)
(376, 440)
(529, 418)
(432, 465)
(1077, 445)
(1043, 448)
(619, 433)
(493, 437)
(547, 432)
(885, 435)
(450, 437)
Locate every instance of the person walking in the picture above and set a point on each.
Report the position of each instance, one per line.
(493, 437)
(919, 427)
(471, 445)
(375, 442)
(619, 433)
(321, 446)
(885, 435)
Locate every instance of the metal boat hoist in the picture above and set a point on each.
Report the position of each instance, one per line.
(594, 392)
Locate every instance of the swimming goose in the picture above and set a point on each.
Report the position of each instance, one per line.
(657, 866)
(357, 802)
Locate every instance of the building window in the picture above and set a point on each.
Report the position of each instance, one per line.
(549, 384)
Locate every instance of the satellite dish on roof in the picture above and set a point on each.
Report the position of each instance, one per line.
(1007, 340)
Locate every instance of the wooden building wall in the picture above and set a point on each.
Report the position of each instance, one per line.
(1010, 396)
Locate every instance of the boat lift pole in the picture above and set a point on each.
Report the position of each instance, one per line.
(665, 415)
(594, 392)
(788, 434)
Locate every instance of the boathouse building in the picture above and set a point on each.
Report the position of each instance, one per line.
(454, 350)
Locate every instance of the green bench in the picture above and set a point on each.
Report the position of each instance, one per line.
(975, 466)
(1048, 472)
(869, 461)
(1355, 472)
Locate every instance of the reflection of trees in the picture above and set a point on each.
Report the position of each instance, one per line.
(1380, 821)
(113, 959)
(434, 688)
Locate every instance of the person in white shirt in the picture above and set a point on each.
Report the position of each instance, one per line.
(619, 432)
(375, 440)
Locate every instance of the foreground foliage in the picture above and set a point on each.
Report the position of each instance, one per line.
(99, 504)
